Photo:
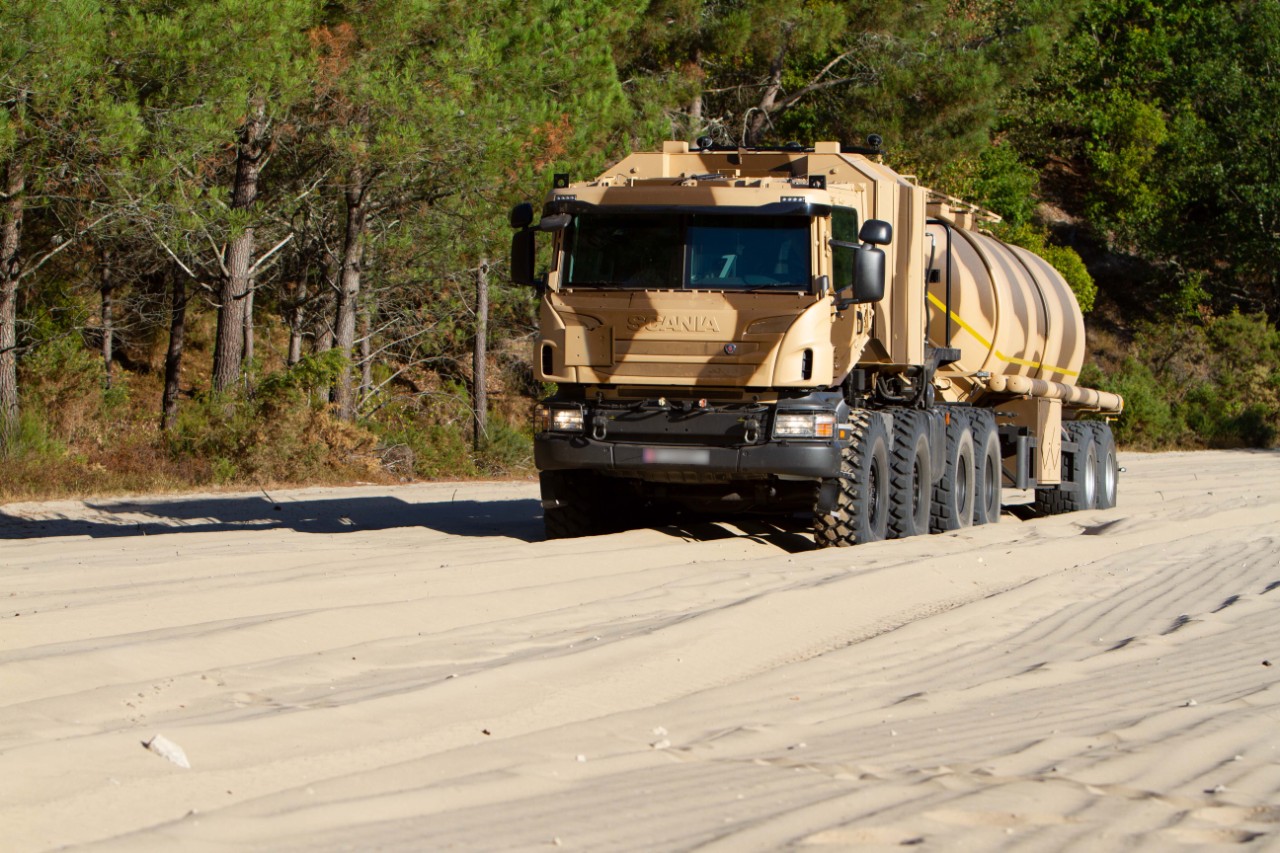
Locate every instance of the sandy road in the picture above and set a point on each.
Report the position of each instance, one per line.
(415, 668)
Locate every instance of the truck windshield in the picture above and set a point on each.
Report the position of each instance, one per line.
(697, 251)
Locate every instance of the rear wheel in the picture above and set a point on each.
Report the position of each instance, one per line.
(953, 495)
(1108, 468)
(861, 513)
(911, 478)
(988, 468)
(1079, 469)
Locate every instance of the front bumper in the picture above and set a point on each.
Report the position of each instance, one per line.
(652, 441)
(809, 460)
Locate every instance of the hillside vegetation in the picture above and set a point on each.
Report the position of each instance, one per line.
(244, 244)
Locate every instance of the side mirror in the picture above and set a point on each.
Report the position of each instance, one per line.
(868, 265)
(868, 274)
(876, 231)
(522, 215)
(868, 279)
(522, 257)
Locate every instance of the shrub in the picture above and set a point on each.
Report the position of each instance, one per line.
(283, 432)
(506, 450)
(1210, 382)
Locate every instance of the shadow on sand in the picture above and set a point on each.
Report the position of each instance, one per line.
(518, 519)
(785, 535)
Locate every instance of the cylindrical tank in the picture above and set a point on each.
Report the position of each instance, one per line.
(1011, 313)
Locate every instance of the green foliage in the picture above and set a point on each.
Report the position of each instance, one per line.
(1150, 421)
(303, 383)
(1006, 185)
(282, 433)
(506, 449)
(1125, 135)
(34, 442)
(999, 181)
(1165, 118)
(927, 76)
(995, 179)
(431, 438)
(434, 450)
(1185, 297)
(1213, 382)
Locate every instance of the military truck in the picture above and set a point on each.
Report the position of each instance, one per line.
(802, 332)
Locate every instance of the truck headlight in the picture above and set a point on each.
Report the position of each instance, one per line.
(804, 425)
(560, 418)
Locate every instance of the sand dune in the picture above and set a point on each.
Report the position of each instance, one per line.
(415, 669)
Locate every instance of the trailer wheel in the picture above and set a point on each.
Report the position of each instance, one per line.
(954, 492)
(911, 475)
(581, 508)
(1108, 468)
(861, 513)
(1080, 468)
(990, 471)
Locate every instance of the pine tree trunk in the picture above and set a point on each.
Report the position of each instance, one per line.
(759, 120)
(295, 324)
(248, 325)
(173, 358)
(480, 393)
(366, 350)
(234, 303)
(349, 292)
(107, 286)
(696, 105)
(10, 241)
(322, 336)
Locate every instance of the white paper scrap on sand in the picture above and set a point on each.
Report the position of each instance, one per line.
(166, 748)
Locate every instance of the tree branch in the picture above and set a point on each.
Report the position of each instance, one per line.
(64, 244)
(258, 265)
(186, 269)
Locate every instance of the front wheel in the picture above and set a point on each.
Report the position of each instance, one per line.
(861, 513)
(575, 503)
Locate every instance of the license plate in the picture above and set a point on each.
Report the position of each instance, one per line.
(675, 456)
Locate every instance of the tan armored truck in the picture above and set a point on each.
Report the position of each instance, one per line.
(799, 331)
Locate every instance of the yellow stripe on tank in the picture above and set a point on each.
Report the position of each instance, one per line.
(986, 343)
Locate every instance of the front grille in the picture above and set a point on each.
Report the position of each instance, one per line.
(669, 427)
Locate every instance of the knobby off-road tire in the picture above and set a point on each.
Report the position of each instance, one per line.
(953, 495)
(1108, 467)
(911, 475)
(1080, 467)
(988, 469)
(861, 513)
(584, 507)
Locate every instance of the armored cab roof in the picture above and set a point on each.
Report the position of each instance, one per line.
(791, 168)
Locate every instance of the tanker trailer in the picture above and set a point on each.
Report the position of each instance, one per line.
(799, 331)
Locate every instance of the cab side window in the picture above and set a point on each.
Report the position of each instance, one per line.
(844, 226)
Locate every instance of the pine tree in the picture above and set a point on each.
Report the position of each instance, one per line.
(215, 80)
(58, 126)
